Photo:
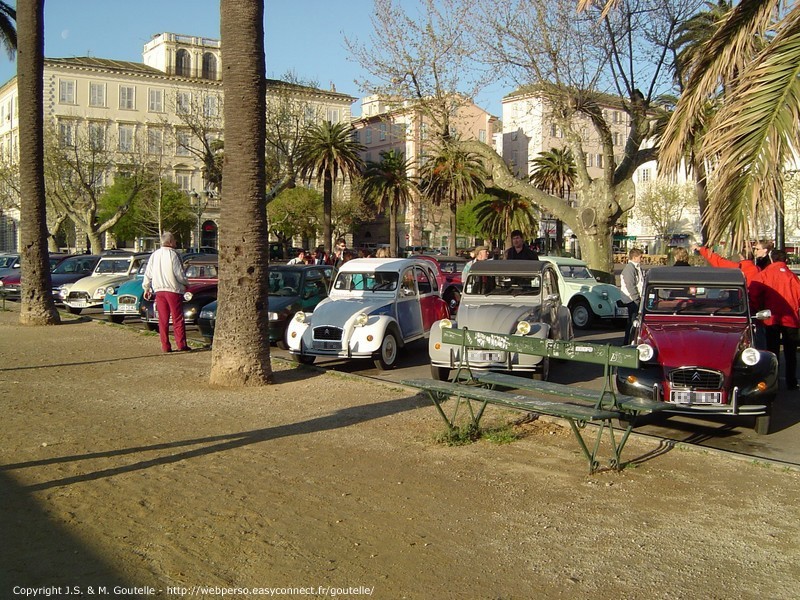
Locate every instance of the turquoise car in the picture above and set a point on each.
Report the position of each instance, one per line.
(123, 299)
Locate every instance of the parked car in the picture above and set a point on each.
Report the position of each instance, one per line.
(374, 308)
(123, 298)
(588, 299)
(695, 336)
(11, 284)
(293, 288)
(504, 296)
(449, 279)
(203, 276)
(110, 270)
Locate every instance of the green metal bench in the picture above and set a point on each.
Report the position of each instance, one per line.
(578, 406)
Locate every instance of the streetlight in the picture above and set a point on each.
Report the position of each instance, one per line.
(199, 202)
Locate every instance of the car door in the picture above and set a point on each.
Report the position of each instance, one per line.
(551, 299)
(429, 300)
(409, 314)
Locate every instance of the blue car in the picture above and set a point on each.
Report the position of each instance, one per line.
(123, 299)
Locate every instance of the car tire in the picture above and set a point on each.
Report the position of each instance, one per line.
(118, 319)
(582, 315)
(74, 311)
(543, 374)
(386, 357)
(303, 359)
(440, 373)
(453, 299)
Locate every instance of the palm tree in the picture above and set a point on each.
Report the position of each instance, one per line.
(555, 173)
(755, 55)
(327, 152)
(452, 176)
(503, 212)
(388, 184)
(37, 306)
(241, 340)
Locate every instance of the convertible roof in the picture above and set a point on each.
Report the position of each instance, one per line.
(695, 276)
(507, 267)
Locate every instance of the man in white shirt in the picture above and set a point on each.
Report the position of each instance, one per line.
(164, 275)
(631, 284)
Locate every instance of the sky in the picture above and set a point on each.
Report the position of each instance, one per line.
(302, 36)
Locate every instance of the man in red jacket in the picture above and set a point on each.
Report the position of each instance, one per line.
(776, 288)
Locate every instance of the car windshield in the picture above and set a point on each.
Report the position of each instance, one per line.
(575, 272)
(75, 265)
(695, 300)
(7, 262)
(201, 271)
(113, 265)
(284, 283)
(379, 281)
(503, 285)
(452, 266)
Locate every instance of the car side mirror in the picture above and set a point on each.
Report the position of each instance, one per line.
(763, 314)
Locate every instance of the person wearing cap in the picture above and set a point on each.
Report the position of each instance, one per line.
(480, 253)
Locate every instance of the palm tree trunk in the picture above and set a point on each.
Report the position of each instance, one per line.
(37, 307)
(453, 226)
(327, 213)
(393, 251)
(241, 340)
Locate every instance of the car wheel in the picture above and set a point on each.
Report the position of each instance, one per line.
(762, 422)
(152, 326)
(582, 315)
(440, 373)
(118, 319)
(303, 359)
(453, 299)
(543, 374)
(386, 358)
(74, 311)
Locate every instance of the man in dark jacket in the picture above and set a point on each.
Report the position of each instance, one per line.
(519, 249)
(776, 288)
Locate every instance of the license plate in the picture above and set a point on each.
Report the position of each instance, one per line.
(127, 308)
(79, 304)
(692, 397)
(328, 345)
(480, 356)
(620, 311)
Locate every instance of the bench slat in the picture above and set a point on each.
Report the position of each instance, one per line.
(518, 401)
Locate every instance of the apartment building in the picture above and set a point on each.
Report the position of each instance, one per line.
(157, 107)
(400, 125)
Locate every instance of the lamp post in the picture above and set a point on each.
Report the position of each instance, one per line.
(199, 202)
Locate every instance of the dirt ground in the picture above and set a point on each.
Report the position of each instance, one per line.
(124, 474)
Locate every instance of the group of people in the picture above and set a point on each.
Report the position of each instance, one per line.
(770, 285)
(519, 250)
(337, 258)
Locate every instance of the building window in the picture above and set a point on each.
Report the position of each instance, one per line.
(333, 115)
(356, 136)
(309, 115)
(589, 161)
(210, 106)
(183, 143)
(66, 134)
(155, 101)
(600, 161)
(423, 131)
(127, 97)
(97, 136)
(617, 117)
(368, 135)
(382, 131)
(66, 92)
(126, 138)
(183, 63)
(184, 181)
(617, 138)
(183, 103)
(209, 66)
(644, 175)
(155, 141)
(97, 94)
(482, 135)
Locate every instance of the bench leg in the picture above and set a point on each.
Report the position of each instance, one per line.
(474, 417)
(591, 455)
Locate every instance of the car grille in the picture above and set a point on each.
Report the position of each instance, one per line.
(327, 333)
(696, 378)
(127, 300)
(78, 296)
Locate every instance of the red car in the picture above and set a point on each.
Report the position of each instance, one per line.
(695, 336)
(448, 275)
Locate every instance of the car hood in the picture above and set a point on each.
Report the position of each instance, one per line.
(495, 318)
(91, 283)
(707, 345)
(131, 287)
(585, 286)
(279, 303)
(330, 312)
(64, 278)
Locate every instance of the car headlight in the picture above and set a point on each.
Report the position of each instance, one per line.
(445, 324)
(523, 328)
(273, 316)
(100, 293)
(207, 314)
(300, 317)
(646, 352)
(110, 291)
(750, 356)
(188, 296)
(361, 319)
(62, 292)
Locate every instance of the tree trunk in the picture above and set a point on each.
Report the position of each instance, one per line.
(452, 246)
(393, 250)
(241, 341)
(37, 307)
(95, 242)
(327, 213)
